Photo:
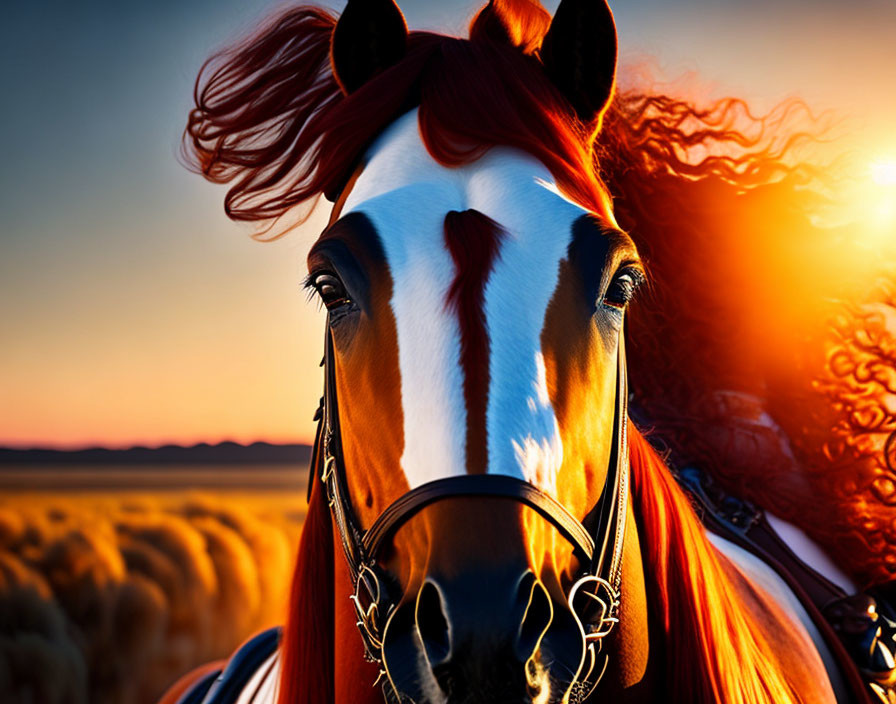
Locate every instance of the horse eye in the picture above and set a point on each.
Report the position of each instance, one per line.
(331, 290)
(622, 288)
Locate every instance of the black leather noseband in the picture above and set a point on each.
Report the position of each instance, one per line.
(597, 542)
(501, 485)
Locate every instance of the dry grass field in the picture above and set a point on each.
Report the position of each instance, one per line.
(107, 596)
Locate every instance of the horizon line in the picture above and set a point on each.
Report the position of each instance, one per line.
(78, 447)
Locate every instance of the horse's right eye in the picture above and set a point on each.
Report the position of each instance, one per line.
(331, 290)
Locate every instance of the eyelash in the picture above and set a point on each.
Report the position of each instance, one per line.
(622, 288)
(317, 283)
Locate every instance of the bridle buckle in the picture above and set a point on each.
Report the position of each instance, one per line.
(598, 591)
(366, 600)
(605, 597)
(326, 477)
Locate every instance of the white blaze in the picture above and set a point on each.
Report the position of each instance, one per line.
(406, 194)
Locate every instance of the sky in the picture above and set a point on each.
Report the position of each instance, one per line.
(132, 311)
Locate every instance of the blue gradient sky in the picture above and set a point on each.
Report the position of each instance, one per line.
(133, 311)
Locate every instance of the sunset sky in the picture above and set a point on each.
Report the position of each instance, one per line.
(134, 312)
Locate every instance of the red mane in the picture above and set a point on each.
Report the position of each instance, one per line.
(306, 651)
(698, 607)
(747, 356)
(726, 236)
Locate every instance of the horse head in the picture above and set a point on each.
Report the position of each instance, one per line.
(473, 454)
(475, 362)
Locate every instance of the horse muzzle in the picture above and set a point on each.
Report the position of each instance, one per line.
(477, 624)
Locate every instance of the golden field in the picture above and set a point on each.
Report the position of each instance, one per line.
(106, 597)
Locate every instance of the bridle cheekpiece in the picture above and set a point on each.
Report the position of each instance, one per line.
(597, 541)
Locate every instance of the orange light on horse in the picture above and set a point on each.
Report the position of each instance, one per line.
(485, 522)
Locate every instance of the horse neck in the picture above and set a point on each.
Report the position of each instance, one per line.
(726, 640)
(322, 658)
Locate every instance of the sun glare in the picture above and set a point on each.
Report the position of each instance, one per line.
(883, 172)
(884, 213)
(876, 204)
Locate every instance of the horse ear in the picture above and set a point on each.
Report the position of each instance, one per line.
(370, 36)
(579, 55)
(520, 23)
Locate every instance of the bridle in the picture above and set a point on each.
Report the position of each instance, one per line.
(597, 541)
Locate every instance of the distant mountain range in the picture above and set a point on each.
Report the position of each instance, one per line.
(225, 453)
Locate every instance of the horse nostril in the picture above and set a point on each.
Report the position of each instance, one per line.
(432, 624)
(537, 616)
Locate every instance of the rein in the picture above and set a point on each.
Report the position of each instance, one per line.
(597, 541)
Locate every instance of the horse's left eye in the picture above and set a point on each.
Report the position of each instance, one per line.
(622, 288)
(331, 290)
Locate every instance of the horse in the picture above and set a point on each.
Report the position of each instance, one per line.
(486, 523)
